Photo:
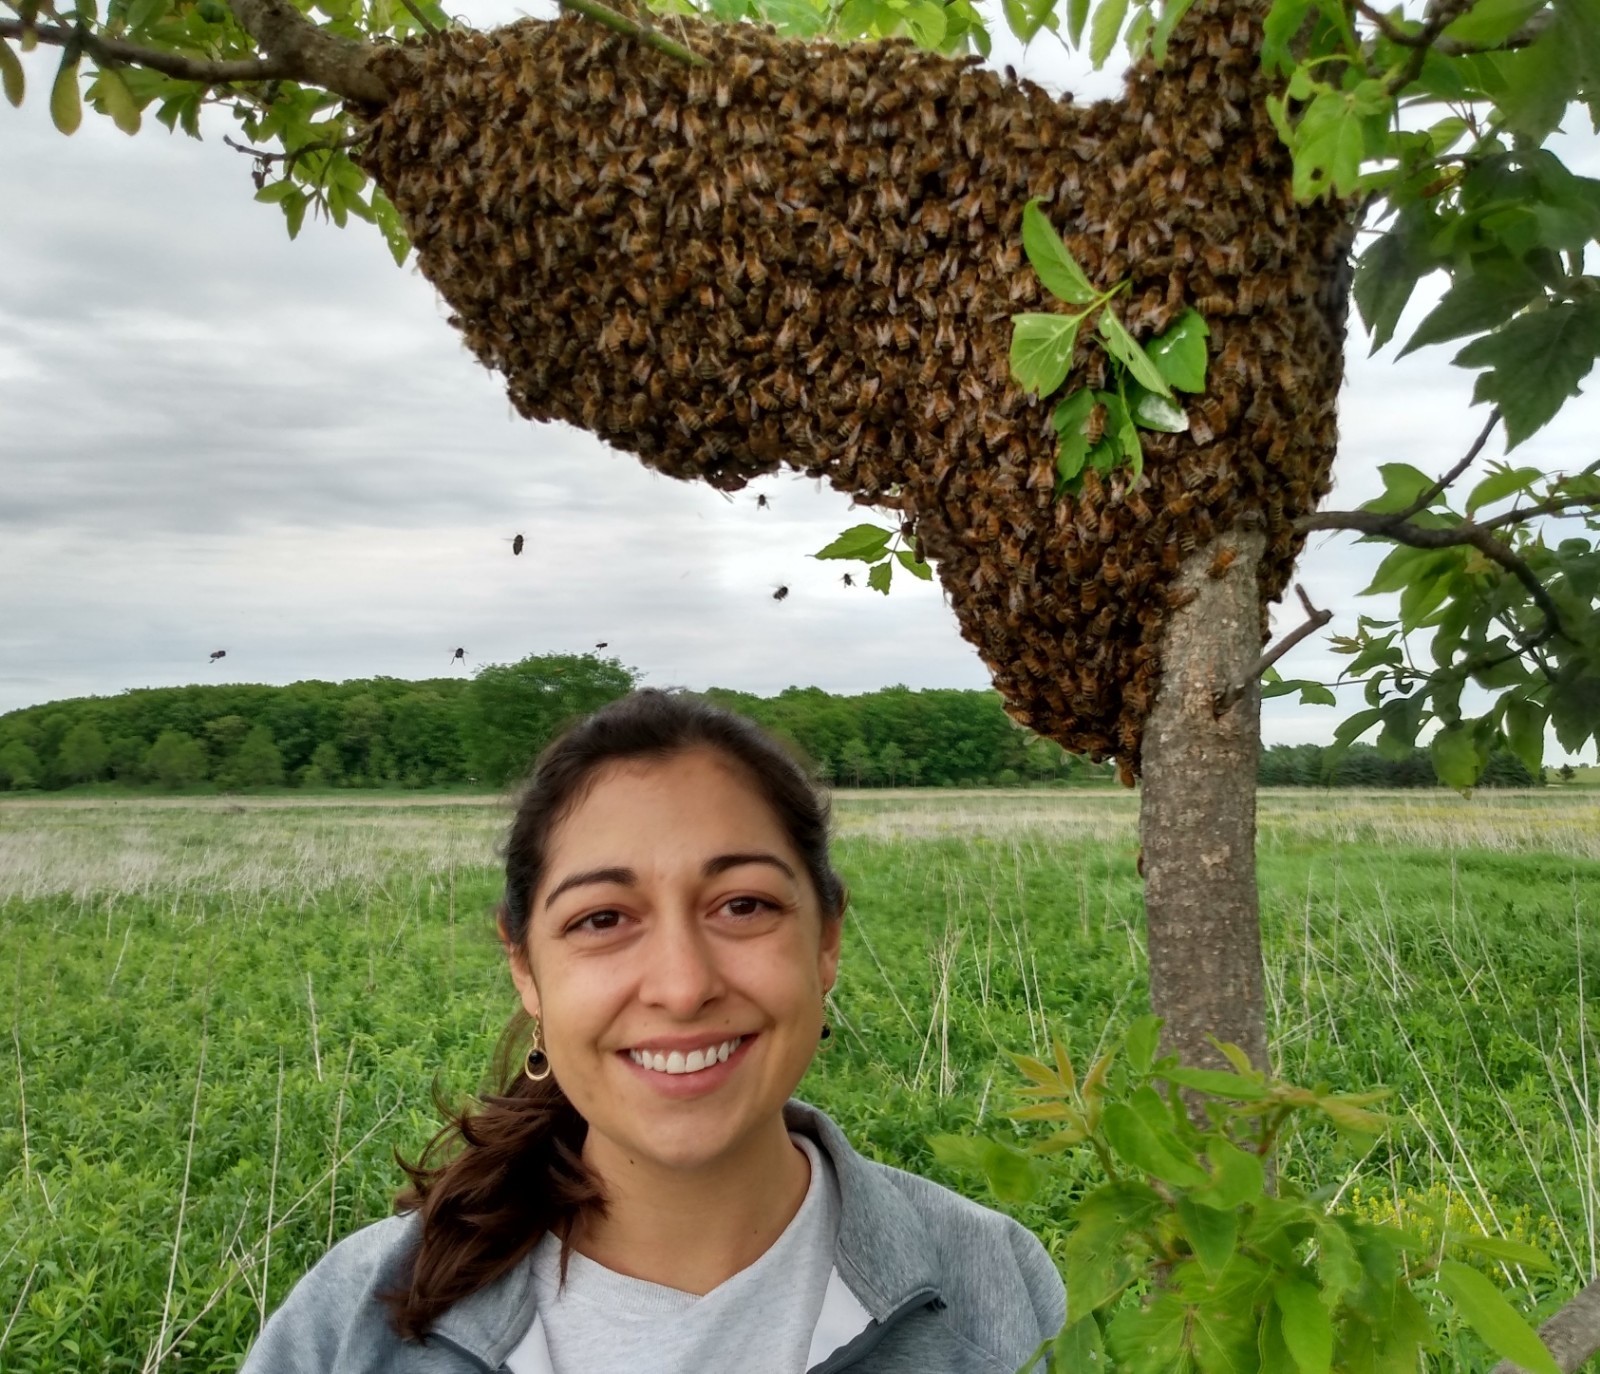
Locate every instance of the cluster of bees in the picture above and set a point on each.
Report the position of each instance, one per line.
(807, 255)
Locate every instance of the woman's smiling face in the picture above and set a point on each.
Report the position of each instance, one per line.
(675, 926)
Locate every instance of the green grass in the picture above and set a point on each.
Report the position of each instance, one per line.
(227, 1015)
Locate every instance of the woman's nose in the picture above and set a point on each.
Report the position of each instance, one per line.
(681, 972)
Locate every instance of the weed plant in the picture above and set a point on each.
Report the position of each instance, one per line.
(225, 1018)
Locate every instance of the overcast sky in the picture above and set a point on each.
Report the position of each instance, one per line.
(214, 438)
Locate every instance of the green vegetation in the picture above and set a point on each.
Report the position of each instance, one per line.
(460, 734)
(228, 1014)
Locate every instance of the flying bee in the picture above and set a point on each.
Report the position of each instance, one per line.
(602, 644)
(459, 656)
(216, 654)
(781, 592)
(762, 503)
(517, 542)
(848, 580)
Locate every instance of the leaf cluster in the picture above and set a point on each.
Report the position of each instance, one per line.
(1099, 427)
(1185, 1259)
(880, 549)
(1482, 624)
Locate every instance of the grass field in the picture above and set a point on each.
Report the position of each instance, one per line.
(227, 1014)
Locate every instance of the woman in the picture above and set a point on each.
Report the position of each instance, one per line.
(644, 1196)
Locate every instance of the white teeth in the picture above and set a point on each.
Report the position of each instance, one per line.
(678, 1063)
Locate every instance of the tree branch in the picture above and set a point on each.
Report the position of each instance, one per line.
(1427, 498)
(601, 14)
(1315, 620)
(1573, 1334)
(1468, 532)
(1446, 47)
(115, 52)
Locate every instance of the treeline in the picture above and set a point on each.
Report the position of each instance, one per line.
(484, 731)
(455, 732)
(1362, 765)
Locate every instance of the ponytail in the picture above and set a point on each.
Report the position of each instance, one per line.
(517, 1175)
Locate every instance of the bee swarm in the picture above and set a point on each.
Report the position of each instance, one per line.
(807, 255)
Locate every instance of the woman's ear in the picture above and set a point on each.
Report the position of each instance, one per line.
(828, 954)
(517, 958)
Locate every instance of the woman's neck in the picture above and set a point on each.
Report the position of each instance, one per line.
(692, 1230)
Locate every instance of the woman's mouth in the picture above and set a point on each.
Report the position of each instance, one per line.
(678, 1062)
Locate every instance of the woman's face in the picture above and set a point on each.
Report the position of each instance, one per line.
(677, 957)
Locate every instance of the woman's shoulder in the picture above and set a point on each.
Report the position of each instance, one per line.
(334, 1317)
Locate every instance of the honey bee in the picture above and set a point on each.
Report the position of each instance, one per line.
(848, 580)
(1094, 427)
(780, 593)
(1222, 562)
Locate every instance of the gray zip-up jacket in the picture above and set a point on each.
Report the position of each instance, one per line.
(925, 1282)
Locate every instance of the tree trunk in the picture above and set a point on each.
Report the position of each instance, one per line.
(1197, 818)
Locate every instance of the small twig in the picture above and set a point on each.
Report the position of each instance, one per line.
(316, 1049)
(1445, 47)
(16, 1311)
(338, 1124)
(601, 14)
(290, 156)
(416, 13)
(272, 1197)
(1427, 498)
(1224, 700)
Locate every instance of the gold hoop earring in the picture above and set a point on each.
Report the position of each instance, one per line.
(536, 1067)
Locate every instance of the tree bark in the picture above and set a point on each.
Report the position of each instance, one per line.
(1573, 1334)
(1197, 818)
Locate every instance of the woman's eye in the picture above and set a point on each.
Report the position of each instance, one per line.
(749, 906)
(597, 920)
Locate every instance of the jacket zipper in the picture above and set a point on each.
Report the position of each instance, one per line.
(864, 1344)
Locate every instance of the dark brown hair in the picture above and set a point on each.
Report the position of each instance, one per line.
(496, 1178)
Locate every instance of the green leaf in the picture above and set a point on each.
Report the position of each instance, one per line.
(1157, 1153)
(1237, 1176)
(1069, 419)
(1330, 142)
(1120, 344)
(1104, 28)
(1216, 1082)
(1307, 1327)
(1538, 359)
(926, 22)
(1058, 270)
(66, 102)
(865, 542)
(1498, 485)
(880, 575)
(1079, 1346)
(1524, 726)
(11, 77)
(1283, 23)
(1484, 1308)
(1210, 1231)
(1455, 756)
(1490, 21)
(119, 101)
(1171, 13)
(1106, 1229)
(1012, 1175)
(1386, 275)
(1402, 486)
(1041, 350)
(1180, 353)
(1495, 291)
(1077, 16)
(1148, 1339)
(913, 565)
(1138, 31)
(1027, 17)
(1143, 1040)
(1497, 1248)
(1315, 694)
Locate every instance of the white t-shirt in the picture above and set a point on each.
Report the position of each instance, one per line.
(603, 1322)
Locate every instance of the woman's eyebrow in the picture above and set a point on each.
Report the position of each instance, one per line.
(625, 877)
(723, 862)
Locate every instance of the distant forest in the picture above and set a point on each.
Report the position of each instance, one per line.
(484, 731)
